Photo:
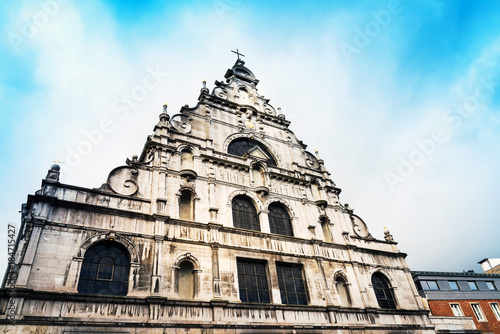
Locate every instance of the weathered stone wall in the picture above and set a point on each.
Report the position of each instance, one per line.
(139, 207)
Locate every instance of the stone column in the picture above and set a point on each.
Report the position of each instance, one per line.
(326, 285)
(29, 256)
(157, 277)
(264, 221)
(214, 240)
(273, 279)
(213, 207)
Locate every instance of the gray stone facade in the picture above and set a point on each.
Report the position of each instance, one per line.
(171, 210)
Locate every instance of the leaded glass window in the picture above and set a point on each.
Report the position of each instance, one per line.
(291, 283)
(242, 145)
(383, 291)
(252, 281)
(244, 214)
(279, 220)
(105, 270)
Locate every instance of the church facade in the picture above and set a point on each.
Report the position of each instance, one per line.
(224, 224)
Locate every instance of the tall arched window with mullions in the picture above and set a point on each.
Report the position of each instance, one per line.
(105, 270)
(383, 291)
(245, 214)
(279, 220)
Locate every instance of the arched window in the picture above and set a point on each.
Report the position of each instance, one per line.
(383, 291)
(343, 291)
(186, 280)
(240, 146)
(244, 214)
(279, 220)
(186, 205)
(105, 270)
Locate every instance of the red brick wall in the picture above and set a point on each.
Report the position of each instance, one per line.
(491, 325)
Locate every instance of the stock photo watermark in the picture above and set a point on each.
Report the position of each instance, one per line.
(224, 7)
(31, 26)
(122, 108)
(363, 36)
(453, 118)
(10, 283)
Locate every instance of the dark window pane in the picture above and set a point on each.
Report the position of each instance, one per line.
(252, 279)
(85, 286)
(120, 274)
(291, 283)
(89, 270)
(100, 273)
(105, 271)
(279, 220)
(245, 214)
(292, 298)
(383, 291)
(120, 289)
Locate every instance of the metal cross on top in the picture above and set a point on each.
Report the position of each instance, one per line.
(238, 53)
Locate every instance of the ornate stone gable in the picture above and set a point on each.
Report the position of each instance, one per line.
(223, 223)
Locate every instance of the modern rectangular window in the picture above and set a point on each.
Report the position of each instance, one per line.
(457, 311)
(424, 285)
(433, 285)
(454, 285)
(252, 281)
(291, 282)
(472, 285)
(490, 285)
(496, 310)
(478, 312)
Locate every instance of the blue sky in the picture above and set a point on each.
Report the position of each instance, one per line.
(408, 123)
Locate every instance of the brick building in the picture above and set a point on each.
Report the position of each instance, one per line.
(465, 294)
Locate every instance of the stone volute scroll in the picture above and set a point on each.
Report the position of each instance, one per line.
(180, 123)
(311, 160)
(123, 180)
(359, 227)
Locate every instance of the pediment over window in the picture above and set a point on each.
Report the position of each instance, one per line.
(257, 153)
(249, 148)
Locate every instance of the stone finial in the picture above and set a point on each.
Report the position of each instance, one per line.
(53, 173)
(280, 115)
(387, 235)
(204, 89)
(164, 117)
(348, 208)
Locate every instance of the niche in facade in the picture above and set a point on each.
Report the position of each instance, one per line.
(186, 205)
(186, 280)
(187, 164)
(316, 194)
(325, 225)
(259, 180)
(343, 291)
